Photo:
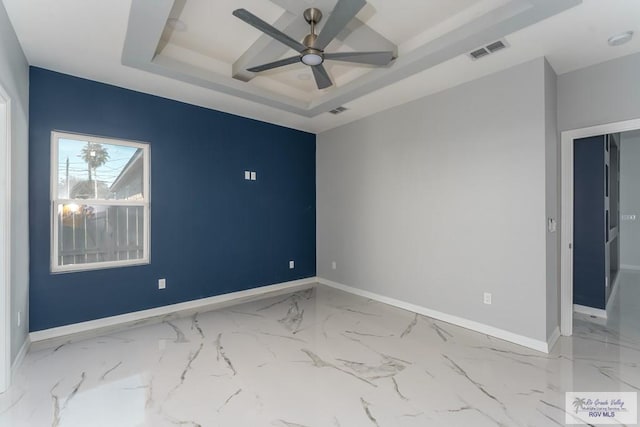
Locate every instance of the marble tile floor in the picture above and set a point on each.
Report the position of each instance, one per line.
(314, 358)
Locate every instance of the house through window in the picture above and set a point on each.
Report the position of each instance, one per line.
(100, 201)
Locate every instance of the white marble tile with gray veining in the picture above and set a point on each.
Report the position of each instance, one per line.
(314, 358)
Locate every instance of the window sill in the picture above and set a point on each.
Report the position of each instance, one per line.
(72, 268)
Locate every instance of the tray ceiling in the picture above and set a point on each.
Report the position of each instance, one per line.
(201, 43)
(127, 43)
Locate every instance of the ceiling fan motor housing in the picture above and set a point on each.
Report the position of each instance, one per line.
(312, 16)
(311, 55)
(309, 40)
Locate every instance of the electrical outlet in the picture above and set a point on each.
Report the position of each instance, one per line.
(292, 265)
(333, 265)
(162, 283)
(19, 318)
(487, 298)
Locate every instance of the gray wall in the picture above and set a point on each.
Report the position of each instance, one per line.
(437, 201)
(603, 93)
(630, 199)
(552, 188)
(14, 78)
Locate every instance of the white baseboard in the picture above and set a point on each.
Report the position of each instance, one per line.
(598, 312)
(614, 292)
(539, 345)
(553, 339)
(91, 328)
(17, 362)
(629, 267)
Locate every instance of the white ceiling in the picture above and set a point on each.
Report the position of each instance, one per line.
(87, 38)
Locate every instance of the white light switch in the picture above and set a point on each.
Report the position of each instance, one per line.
(292, 264)
(247, 175)
(253, 176)
(162, 283)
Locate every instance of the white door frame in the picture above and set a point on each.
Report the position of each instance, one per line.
(5, 239)
(566, 238)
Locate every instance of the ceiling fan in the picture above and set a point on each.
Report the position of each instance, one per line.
(311, 50)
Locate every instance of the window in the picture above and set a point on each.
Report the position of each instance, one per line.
(100, 202)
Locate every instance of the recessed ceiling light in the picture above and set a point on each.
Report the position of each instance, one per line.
(621, 38)
(176, 24)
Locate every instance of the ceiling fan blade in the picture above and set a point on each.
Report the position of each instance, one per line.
(371, 58)
(268, 29)
(322, 77)
(344, 12)
(274, 64)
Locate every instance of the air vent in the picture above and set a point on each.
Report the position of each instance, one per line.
(338, 110)
(496, 46)
(479, 53)
(488, 49)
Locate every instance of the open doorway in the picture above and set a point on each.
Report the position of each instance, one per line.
(5, 239)
(594, 136)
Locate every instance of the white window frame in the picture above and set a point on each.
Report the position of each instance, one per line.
(55, 202)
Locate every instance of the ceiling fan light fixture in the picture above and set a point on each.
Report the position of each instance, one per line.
(312, 59)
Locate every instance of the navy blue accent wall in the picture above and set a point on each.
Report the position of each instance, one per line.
(212, 232)
(589, 222)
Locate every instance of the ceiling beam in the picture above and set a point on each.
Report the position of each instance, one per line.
(147, 20)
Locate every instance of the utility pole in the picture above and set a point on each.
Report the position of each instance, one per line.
(66, 179)
(95, 174)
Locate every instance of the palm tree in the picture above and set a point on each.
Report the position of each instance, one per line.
(579, 403)
(95, 155)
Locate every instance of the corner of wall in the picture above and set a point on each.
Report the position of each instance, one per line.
(553, 338)
(14, 76)
(552, 198)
